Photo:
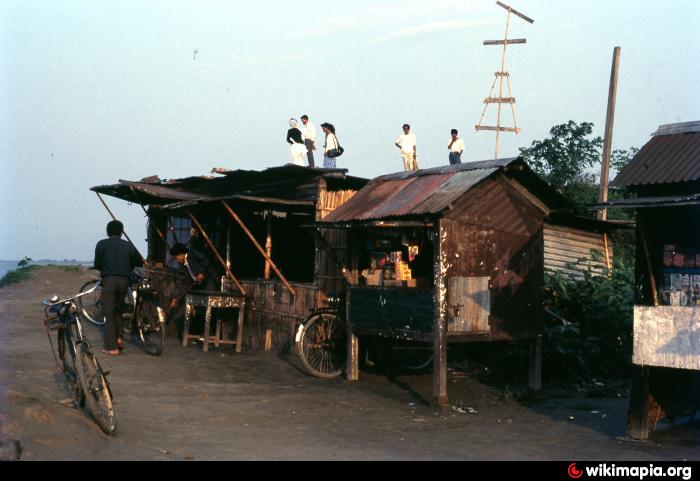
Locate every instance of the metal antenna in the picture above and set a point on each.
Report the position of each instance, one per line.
(499, 76)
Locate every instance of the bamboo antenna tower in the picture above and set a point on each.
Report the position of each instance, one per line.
(499, 76)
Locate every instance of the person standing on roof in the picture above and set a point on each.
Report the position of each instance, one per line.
(309, 134)
(294, 138)
(407, 143)
(331, 144)
(456, 147)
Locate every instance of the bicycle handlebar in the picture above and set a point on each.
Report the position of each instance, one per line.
(50, 302)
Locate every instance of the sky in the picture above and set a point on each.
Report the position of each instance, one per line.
(95, 91)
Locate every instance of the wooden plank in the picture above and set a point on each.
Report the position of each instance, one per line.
(510, 41)
(499, 100)
(515, 12)
(665, 336)
(499, 129)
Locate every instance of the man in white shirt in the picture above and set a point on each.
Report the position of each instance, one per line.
(407, 143)
(456, 147)
(308, 133)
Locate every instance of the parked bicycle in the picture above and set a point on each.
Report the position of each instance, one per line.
(88, 382)
(321, 341)
(146, 316)
(321, 344)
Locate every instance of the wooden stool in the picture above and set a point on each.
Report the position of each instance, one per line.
(210, 300)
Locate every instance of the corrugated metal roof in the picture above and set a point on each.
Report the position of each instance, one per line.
(666, 158)
(680, 128)
(290, 182)
(638, 202)
(428, 191)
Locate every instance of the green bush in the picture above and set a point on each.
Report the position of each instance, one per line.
(592, 337)
(22, 273)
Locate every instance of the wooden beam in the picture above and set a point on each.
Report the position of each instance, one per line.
(607, 141)
(510, 41)
(498, 129)
(257, 245)
(515, 12)
(216, 252)
(499, 100)
(124, 231)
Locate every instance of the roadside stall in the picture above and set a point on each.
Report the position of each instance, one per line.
(455, 254)
(665, 175)
(251, 225)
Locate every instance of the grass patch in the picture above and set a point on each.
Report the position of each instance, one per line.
(72, 268)
(17, 276)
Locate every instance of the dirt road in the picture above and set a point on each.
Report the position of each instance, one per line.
(188, 404)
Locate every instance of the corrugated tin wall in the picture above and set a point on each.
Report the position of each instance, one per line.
(565, 244)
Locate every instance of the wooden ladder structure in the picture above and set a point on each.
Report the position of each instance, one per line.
(499, 76)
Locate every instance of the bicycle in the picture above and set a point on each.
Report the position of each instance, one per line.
(146, 317)
(321, 344)
(321, 341)
(86, 379)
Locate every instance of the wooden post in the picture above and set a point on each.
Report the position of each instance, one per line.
(647, 258)
(440, 322)
(638, 414)
(216, 253)
(268, 340)
(260, 249)
(535, 380)
(268, 244)
(607, 142)
(124, 232)
(352, 371)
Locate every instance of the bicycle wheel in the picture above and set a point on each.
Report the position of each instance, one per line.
(66, 354)
(149, 320)
(412, 356)
(90, 305)
(322, 346)
(98, 398)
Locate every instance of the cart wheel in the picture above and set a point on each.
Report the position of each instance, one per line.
(322, 345)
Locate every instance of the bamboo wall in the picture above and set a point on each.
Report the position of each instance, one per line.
(271, 306)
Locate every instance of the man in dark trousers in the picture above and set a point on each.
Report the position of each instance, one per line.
(115, 258)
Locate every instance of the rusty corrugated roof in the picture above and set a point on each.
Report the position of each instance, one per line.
(428, 191)
(672, 155)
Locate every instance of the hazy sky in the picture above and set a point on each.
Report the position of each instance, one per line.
(95, 91)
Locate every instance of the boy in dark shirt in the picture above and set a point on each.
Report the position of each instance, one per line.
(115, 258)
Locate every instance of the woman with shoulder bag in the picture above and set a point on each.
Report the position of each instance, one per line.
(331, 149)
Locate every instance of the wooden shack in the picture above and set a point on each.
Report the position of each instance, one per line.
(665, 176)
(256, 223)
(468, 245)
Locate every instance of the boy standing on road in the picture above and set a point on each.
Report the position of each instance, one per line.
(115, 258)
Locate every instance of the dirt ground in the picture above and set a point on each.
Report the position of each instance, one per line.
(191, 405)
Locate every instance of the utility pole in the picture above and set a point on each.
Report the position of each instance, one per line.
(607, 141)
